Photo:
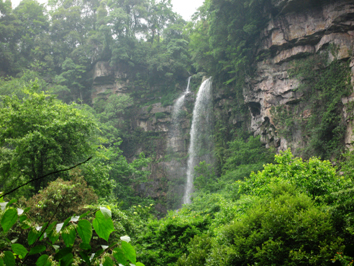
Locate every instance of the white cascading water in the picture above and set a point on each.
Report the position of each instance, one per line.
(174, 165)
(177, 108)
(179, 104)
(200, 135)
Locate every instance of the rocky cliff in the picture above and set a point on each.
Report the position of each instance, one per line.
(296, 29)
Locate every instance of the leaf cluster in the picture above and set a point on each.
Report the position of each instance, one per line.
(70, 242)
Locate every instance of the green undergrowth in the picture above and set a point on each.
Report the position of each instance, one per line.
(293, 212)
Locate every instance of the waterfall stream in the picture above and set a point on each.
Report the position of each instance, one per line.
(175, 165)
(177, 107)
(175, 133)
(201, 142)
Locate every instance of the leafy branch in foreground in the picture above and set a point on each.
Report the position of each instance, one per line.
(76, 241)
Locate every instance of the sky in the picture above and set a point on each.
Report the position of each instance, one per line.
(186, 8)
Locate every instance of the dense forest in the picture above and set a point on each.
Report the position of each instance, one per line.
(74, 169)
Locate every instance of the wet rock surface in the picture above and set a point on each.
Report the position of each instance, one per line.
(296, 29)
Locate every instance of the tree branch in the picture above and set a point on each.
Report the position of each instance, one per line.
(52, 173)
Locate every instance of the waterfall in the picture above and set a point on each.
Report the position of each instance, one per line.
(177, 108)
(201, 143)
(174, 165)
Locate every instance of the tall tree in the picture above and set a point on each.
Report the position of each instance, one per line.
(40, 134)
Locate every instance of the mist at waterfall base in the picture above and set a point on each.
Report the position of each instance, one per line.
(201, 141)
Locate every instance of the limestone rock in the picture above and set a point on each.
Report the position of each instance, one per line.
(297, 28)
(158, 108)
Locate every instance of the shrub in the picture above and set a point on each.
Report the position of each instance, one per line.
(166, 240)
(72, 195)
(315, 177)
(199, 248)
(286, 230)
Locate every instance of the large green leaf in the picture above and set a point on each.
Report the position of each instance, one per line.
(119, 256)
(84, 256)
(1, 262)
(85, 246)
(12, 202)
(62, 253)
(66, 222)
(22, 217)
(139, 264)
(68, 236)
(98, 253)
(108, 261)
(67, 260)
(103, 226)
(43, 261)
(85, 214)
(53, 233)
(20, 250)
(37, 249)
(9, 259)
(32, 236)
(129, 252)
(9, 219)
(50, 228)
(85, 231)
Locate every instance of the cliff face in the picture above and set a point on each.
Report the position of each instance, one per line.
(296, 29)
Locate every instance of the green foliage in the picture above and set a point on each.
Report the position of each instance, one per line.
(144, 38)
(293, 212)
(84, 230)
(35, 135)
(224, 43)
(246, 156)
(160, 115)
(241, 158)
(286, 230)
(198, 250)
(174, 233)
(315, 177)
(103, 225)
(23, 37)
(53, 135)
(205, 176)
(73, 195)
(49, 240)
(9, 219)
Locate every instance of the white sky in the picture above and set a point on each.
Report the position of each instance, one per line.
(186, 8)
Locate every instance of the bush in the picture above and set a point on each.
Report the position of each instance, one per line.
(289, 229)
(72, 195)
(315, 177)
(166, 240)
(201, 246)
